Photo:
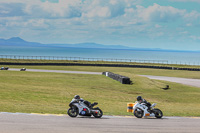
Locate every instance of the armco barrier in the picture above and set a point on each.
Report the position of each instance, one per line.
(103, 65)
(120, 78)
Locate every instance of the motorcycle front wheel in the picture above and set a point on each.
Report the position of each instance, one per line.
(72, 111)
(158, 113)
(138, 113)
(98, 114)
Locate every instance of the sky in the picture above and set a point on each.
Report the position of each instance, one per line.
(165, 24)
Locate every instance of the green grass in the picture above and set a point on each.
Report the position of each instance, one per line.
(37, 92)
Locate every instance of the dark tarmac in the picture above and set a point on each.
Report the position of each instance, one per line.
(37, 123)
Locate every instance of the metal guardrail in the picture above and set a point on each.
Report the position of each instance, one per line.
(80, 59)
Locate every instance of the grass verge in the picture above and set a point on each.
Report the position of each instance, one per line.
(51, 93)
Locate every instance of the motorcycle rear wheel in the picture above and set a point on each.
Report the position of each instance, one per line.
(98, 114)
(158, 113)
(73, 112)
(138, 113)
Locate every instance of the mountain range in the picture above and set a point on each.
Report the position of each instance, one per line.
(17, 41)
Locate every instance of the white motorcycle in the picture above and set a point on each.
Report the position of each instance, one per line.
(80, 108)
(141, 110)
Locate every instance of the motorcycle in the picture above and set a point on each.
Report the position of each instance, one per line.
(23, 69)
(4, 68)
(80, 108)
(141, 110)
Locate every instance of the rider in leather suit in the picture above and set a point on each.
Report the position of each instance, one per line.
(141, 100)
(77, 99)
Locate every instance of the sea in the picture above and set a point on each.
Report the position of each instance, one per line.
(147, 56)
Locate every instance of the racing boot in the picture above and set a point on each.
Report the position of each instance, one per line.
(92, 105)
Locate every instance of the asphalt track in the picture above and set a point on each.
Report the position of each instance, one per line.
(57, 71)
(36, 123)
(185, 81)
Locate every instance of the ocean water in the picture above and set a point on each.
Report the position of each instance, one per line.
(190, 58)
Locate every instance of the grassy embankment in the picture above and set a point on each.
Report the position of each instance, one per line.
(51, 92)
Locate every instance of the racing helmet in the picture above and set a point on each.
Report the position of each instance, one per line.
(139, 98)
(76, 97)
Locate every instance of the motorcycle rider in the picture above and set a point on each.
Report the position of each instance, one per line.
(141, 100)
(77, 98)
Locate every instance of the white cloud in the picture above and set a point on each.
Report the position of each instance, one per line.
(184, 32)
(159, 13)
(94, 19)
(113, 2)
(66, 9)
(104, 8)
(192, 16)
(189, 24)
(98, 12)
(195, 37)
(36, 8)
(157, 26)
(186, 1)
(36, 23)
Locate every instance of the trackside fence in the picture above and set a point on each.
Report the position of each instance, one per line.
(80, 59)
(57, 58)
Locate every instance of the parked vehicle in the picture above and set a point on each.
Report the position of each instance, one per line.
(23, 69)
(141, 110)
(4, 68)
(79, 108)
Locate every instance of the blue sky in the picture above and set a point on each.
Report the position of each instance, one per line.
(166, 24)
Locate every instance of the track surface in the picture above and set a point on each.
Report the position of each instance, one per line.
(190, 82)
(33, 123)
(57, 71)
(185, 81)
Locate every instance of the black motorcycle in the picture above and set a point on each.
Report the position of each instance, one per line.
(23, 69)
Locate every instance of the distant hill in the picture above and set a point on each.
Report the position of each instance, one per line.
(17, 41)
(92, 45)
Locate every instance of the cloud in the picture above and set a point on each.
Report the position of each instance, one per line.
(40, 24)
(157, 26)
(189, 24)
(184, 32)
(157, 13)
(63, 9)
(53, 1)
(98, 12)
(186, 1)
(39, 9)
(12, 9)
(104, 8)
(95, 19)
(195, 37)
(192, 16)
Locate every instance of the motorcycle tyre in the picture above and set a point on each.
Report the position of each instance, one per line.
(134, 112)
(158, 116)
(68, 112)
(96, 116)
